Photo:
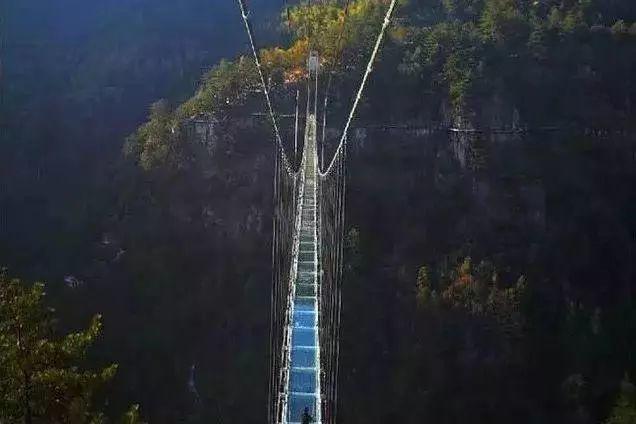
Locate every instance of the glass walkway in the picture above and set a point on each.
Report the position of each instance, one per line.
(304, 376)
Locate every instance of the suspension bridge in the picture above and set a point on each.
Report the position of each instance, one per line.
(307, 255)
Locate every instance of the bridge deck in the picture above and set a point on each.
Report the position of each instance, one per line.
(304, 376)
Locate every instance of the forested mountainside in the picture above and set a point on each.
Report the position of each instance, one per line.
(491, 231)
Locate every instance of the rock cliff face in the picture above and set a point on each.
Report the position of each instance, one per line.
(537, 204)
(437, 164)
(197, 258)
(493, 113)
(203, 130)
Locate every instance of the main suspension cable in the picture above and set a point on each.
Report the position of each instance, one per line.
(376, 48)
(270, 109)
(337, 60)
(296, 128)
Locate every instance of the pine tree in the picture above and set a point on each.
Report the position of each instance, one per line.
(423, 291)
(624, 410)
(41, 379)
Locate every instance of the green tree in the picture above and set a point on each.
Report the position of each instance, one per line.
(41, 378)
(153, 142)
(423, 290)
(502, 21)
(463, 9)
(478, 291)
(620, 28)
(624, 410)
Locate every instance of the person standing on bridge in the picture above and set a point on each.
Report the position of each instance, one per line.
(307, 418)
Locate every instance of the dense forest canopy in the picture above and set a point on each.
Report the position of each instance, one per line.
(542, 63)
(490, 256)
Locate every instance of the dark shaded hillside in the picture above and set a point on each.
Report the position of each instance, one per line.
(77, 78)
(556, 208)
(186, 304)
